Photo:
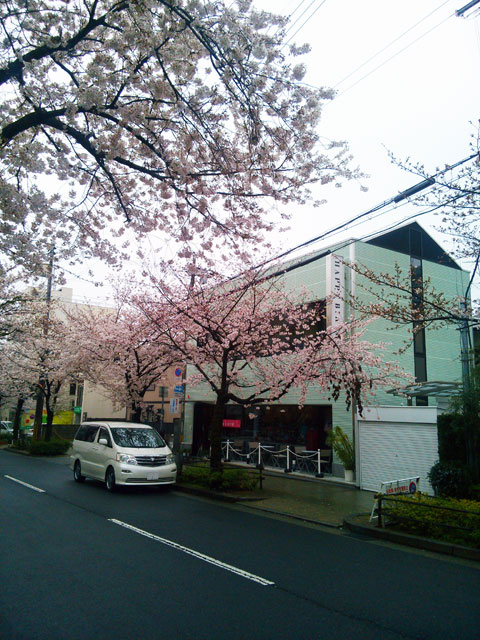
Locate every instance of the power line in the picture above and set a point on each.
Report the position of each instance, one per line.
(390, 44)
(463, 10)
(394, 55)
(304, 23)
(296, 9)
(327, 252)
(403, 195)
(300, 16)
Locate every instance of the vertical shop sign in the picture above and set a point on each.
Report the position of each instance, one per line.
(335, 290)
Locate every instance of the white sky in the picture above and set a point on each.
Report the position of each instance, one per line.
(422, 103)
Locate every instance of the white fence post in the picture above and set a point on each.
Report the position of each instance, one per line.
(319, 473)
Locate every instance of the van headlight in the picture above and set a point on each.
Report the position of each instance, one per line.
(170, 459)
(126, 458)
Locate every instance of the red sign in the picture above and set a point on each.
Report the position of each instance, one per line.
(231, 424)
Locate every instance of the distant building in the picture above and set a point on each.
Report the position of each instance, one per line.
(433, 356)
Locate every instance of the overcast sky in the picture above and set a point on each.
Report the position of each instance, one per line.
(422, 102)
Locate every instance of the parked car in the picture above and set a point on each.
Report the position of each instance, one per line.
(6, 425)
(121, 453)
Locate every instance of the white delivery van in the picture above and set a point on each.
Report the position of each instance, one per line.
(121, 453)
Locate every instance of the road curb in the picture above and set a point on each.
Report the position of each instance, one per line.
(285, 514)
(353, 524)
(245, 501)
(215, 495)
(11, 450)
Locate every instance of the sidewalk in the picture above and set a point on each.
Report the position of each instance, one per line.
(328, 503)
(314, 500)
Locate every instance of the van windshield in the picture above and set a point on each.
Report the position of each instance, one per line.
(137, 437)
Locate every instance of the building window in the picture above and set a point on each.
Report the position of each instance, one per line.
(416, 243)
(73, 388)
(419, 342)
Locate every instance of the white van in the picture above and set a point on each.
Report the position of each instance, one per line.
(121, 453)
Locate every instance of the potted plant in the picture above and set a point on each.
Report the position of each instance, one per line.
(343, 447)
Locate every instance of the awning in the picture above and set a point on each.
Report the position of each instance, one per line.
(434, 388)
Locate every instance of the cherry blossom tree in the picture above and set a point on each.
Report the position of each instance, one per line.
(395, 295)
(38, 358)
(176, 115)
(453, 194)
(251, 342)
(119, 350)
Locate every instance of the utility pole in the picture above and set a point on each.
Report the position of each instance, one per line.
(179, 424)
(37, 425)
(465, 347)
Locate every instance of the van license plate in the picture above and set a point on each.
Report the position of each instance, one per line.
(152, 476)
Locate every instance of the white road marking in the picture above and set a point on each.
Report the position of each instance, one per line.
(196, 554)
(25, 484)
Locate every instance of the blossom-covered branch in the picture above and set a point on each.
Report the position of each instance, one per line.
(179, 116)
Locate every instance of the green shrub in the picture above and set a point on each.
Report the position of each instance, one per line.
(6, 436)
(450, 479)
(50, 448)
(457, 522)
(343, 447)
(452, 445)
(475, 492)
(227, 480)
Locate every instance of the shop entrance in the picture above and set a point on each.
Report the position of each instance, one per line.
(269, 424)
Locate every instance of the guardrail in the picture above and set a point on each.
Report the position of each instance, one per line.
(264, 455)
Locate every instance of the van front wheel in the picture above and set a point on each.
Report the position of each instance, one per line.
(110, 479)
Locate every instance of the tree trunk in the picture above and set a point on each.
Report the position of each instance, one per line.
(17, 418)
(216, 434)
(136, 413)
(37, 425)
(49, 425)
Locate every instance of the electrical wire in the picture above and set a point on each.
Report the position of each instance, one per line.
(390, 44)
(304, 23)
(323, 254)
(430, 179)
(394, 56)
(300, 16)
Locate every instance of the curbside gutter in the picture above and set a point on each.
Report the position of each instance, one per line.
(356, 524)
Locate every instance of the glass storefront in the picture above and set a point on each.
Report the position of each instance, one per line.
(269, 424)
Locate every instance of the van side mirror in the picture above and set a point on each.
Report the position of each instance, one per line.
(103, 441)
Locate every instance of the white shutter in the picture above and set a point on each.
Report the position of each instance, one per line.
(392, 451)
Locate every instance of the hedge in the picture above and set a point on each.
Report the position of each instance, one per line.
(447, 519)
(50, 448)
(227, 480)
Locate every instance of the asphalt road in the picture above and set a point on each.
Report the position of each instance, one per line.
(78, 562)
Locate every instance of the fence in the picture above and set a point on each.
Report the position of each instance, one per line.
(286, 459)
(422, 516)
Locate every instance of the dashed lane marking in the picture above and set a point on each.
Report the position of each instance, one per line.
(196, 554)
(25, 484)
